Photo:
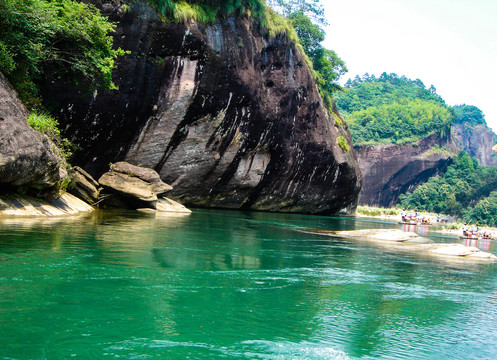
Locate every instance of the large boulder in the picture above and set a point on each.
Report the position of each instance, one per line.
(228, 116)
(135, 186)
(27, 157)
(148, 175)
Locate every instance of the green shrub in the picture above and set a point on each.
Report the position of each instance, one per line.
(338, 121)
(377, 211)
(342, 142)
(48, 126)
(45, 124)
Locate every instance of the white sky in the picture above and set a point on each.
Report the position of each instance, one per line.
(451, 44)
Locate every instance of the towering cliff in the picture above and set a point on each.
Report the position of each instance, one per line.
(229, 118)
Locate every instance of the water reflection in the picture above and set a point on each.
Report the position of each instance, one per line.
(221, 284)
(482, 244)
(421, 230)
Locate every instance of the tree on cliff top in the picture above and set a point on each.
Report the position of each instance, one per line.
(307, 17)
(326, 63)
(68, 37)
(470, 115)
(311, 9)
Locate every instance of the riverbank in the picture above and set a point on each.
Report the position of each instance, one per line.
(452, 228)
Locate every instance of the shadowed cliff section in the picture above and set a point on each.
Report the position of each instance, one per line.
(391, 170)
(230, 119)
(27, 157)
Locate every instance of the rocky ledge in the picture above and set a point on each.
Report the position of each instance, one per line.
(65, 205)
(124, 186)
(390, 170)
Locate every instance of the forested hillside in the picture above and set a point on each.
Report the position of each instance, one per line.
(392, 109)
(397, 110)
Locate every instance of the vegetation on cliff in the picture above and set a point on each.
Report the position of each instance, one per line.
(392, 109)
(48, 126)
(69, 38)
(74, 41)
(466, 191)
(469, 115)
(301, 22)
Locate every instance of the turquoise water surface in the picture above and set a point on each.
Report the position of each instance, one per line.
(233, 285)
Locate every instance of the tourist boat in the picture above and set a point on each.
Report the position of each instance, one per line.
(409, 221)
(415, 222)
(412, 222)
(476, 237)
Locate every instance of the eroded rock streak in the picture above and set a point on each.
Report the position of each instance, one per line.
(228, 118)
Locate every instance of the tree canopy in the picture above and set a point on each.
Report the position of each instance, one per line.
(468, 114)
(67, 36)
(307, 17)
(311, 9)
(392, 109)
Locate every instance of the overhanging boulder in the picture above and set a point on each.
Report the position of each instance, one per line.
(133, 185)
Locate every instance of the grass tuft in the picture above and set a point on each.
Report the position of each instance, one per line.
(343, 143)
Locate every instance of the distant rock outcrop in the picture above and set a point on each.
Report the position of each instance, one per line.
(27, 158)
(477, 141)
(390, 170)
(229, 118)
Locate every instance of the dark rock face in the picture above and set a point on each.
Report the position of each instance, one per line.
(228, 118)
(392, 170)
(27, 158)
(477, 141)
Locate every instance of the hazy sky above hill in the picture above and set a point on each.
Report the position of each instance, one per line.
(451, 44)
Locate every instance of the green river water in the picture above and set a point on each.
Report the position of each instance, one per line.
(233, 285)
